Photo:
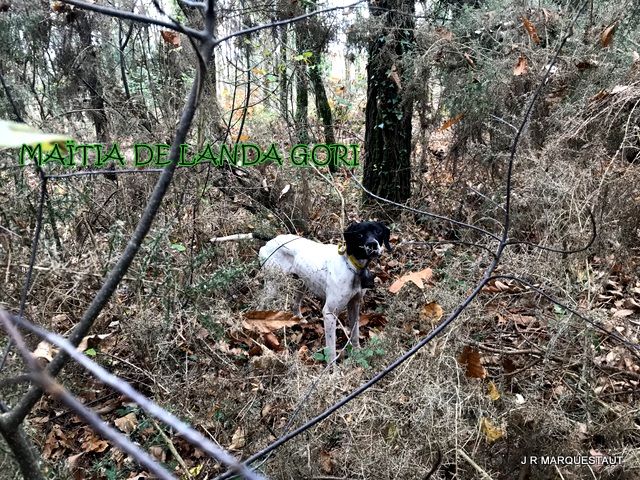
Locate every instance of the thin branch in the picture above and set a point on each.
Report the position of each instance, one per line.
(423, 212)
(184, 430)
(594, 235)
(631, 345)
(286, 21)
(60, 393)
(114, 12)
(85, 173)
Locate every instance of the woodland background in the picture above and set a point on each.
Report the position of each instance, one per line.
(515, 375)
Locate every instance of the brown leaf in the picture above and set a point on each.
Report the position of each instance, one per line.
(45, 351)
(493, 392)
(451, 122)
(415, 277)
(91, 341)
(171, 37)
(432, 311)
(586, 64)
(158, 453)
(326, 462)
(470, 358)
(491, 432)
(623, 313)
(531, 30)
(395, 77)
(238, 440)
(268, 321)
(522, 67)
(94, 444)
(127, 424)
(469, 60)
(606, 37)
(372, 319)
(271, 341)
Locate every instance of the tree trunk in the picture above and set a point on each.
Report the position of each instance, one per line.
(302, 88)
(387, 161)
(322, 104)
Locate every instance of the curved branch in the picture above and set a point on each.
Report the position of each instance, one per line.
(631, 345)
(594, 235)
(286, 21)
(184, 430)
(429, 214)
(114, 12)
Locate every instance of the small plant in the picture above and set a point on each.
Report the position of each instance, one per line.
(363, 356)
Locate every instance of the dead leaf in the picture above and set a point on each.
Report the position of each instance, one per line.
(606, 37)
(326, 462)
(531, 30)
(491, 432)
(470, 358)
(372, 319)
(586, 64)
(522, 67)
(126, 424)
(91, 341)
(451, 122)
(158, 453)
(469, 60)
(432, 311)
(284, 191)
(238, 440)
(622, 313)
(395, 77)
(267, 321)
(523, 320)
(45, 351)
(170, 37)
(493, 392)
(94, 444)
(416, 277)
(636, 56)
(271, 341)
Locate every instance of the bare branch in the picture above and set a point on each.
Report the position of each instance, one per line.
(423, 212)
(145, 404)
(286, 21)
(114, 12)
(85, 173)
(60, 393)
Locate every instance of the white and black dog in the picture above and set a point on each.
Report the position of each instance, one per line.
(338, 274)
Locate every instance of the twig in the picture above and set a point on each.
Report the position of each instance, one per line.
(172, 449)
(477, 467)
(188, 433)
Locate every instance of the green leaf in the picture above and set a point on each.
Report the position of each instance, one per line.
(90, 352)
(14, 135)
(178, 247)
(319, 356)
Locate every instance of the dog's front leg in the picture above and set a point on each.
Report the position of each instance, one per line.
(353, 316)
(330, 320)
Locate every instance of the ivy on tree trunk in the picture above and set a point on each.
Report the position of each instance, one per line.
(388, 112)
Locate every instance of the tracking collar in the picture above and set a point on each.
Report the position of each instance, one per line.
(342, 250)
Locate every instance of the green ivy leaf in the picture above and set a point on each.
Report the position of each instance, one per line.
(90, 352)
(178, 247)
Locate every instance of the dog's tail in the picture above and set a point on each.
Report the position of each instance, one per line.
(242, 236)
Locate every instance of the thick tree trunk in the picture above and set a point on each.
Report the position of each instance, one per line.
(388, 112)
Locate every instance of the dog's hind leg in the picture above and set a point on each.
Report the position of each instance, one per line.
(330, 320)
(353, 317)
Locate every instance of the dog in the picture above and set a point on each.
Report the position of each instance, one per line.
(337, 274)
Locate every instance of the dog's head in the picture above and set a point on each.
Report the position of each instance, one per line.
(365, 239)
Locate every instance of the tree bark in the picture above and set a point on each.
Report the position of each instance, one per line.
(389, 111)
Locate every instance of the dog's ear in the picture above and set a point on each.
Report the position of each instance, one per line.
(386, 234)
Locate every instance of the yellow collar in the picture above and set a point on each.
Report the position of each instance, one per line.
(354, 261)
(342, 250)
